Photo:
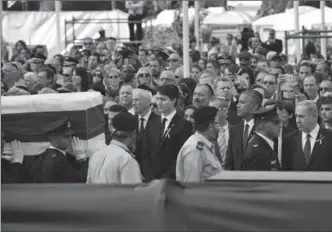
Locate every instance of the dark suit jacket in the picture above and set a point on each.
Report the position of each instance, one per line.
(235, 148)
(259, 156)
(141, 137)
(160, 154)
(232, 116)
(321, 156)
(276, 46)
(54, 167)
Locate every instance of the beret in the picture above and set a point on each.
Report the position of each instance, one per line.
(205, 114)
(124, 121)
(39, 58)
(62, 126)
(244, 56)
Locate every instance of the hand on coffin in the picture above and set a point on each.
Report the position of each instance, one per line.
(78, 148)
(18, 155)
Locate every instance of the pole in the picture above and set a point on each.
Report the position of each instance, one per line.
(297, 29)
(185, 30)
(58, 28)
(323, 40)
(197, 26)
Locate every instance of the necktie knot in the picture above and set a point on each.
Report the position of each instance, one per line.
(308, 136)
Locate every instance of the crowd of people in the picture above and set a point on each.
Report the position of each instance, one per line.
(240, 109)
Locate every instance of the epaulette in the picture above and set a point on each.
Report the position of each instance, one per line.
(199, 145)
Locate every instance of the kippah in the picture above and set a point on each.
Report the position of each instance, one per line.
(124, 121)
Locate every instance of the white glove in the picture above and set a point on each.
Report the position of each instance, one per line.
(78, 148)
(18, 155)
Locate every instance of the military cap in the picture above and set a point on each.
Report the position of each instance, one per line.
(205, 114)
(244, 56)
(159, 54)
(59, 127)
(69, 61)
(38, 58)
(130, 48)
(268, 113)
(224, 59)
(233, 69)
(147, 88)
(124, 121)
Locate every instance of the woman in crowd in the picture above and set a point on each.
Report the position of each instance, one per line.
(144, 77)
(81, 79)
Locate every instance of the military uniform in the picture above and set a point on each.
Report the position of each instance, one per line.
(260, 154)
(197, 160)
(54, 165)
(116, 164)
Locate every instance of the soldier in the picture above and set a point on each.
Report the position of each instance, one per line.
(197, 161)
(55, 165)
(116, 163)
(260, 154)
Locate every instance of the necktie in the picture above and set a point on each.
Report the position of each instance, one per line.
(307, 149)
(222, 142)
(245, 136)
(141, 126)
(163, 124)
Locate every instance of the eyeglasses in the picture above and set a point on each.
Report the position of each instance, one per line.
(98, 75)
(324, 89)
(111, 77)
(268, 83)
(87, 43)
(144, 75)
(66, 75)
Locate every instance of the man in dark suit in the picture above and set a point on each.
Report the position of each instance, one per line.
(273, 44)
(310, 148)
(142, 98)
(164, 136)
(53, 166)
(260, 154)
(240, 134)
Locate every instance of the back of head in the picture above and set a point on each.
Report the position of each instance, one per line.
(203, 117)
(254, 96)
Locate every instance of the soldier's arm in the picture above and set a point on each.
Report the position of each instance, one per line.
(193, 166)
(65, 171)
(130, 172)
(229, 160)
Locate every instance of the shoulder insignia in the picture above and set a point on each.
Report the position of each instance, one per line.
(255, 145)
(68, 124)
(199, 145)
(273, 162)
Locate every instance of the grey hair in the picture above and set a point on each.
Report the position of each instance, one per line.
(310, 106)
(144, 94)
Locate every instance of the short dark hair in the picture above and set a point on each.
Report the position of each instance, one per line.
(169, 90)
(96, 55)
(49, 73)
(254, 96)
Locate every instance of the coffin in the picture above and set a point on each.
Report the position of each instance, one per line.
(24, 117)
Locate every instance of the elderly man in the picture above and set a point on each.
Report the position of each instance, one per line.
(116, 163)
(324, 68)
(325, 88)
(202, 95)
(311, 88)
(126, 97)
(167, 77)
(309, 149)
(11, 75)
(197, 160)
(174, 61)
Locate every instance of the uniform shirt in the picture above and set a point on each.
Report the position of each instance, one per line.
(313, 138)
(197, 161)
(63, 152)
(114, 165)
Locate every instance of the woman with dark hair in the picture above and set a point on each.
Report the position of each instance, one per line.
(186, 95)
(81, 79)
(202, 64)
(20, 45)
(188, 115)
(25, 54)
(286, 112)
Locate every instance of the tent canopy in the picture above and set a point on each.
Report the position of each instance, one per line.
(235, 17)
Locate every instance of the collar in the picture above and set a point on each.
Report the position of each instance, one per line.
(224, 128)
(316, 98)
(269, 141)
(120, 144)
(250, 123)
(146, 116)
(313, 133)
(132, 111)
(54, 148)
(169, 117)
(204, 140)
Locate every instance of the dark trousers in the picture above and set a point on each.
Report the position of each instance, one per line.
(138, 35)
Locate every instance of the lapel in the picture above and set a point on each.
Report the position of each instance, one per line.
(318, 145)
(241, 128)
(170, 129)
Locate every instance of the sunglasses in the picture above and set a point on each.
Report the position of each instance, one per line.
(66, 75)
(324, 89)
(98, 75)
(153, 105)
(268, 83)
(144, 75)
(111, 77)
(87, 43)
(173, 60)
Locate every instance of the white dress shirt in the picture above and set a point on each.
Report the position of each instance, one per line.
(169, 119)
(146, 118)
(251, 125)
(63, 152)
(313, 137)
(131, 111)
(269, 141)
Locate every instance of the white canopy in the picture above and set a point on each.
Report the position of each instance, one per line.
(229, 18)
(307, 19)
(36, 27)
(281, 18)
(166, 17)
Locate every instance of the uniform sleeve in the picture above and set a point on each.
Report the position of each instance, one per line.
(192, 166)
(229, 160)
(130, 172)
